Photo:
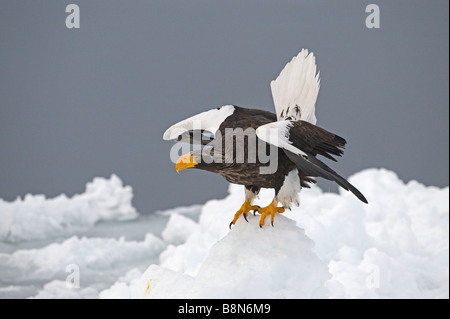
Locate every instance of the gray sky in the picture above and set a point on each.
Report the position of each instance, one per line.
(80, 103)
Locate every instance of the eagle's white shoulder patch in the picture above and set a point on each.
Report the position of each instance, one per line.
(277, 133)
(208, 121)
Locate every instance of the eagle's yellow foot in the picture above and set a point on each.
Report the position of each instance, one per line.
(245, 208)
(269, 210)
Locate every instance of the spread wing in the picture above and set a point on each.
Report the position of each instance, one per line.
(295, 90)
(200, 128)
(302, 142)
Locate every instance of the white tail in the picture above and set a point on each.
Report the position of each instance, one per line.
(295, 90)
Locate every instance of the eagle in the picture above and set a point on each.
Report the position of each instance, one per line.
(260, 149)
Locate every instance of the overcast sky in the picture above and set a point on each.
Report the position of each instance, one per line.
(87, 102)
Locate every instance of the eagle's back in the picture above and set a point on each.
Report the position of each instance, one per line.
(248, 171)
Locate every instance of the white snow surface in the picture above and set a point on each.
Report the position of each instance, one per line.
(36, 217)
(332, 246)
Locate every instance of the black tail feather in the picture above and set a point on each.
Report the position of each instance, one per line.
(313, 167)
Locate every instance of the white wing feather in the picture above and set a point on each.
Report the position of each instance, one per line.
(277, 133)
(208, 121)
(295, 90)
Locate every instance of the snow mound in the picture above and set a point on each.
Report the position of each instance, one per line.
(331, 246)
(178, 229)
(249, 262)
(36, 217)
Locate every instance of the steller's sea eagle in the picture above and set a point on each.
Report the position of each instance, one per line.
(256, 148)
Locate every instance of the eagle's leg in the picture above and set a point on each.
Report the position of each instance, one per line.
(269, 210)
(246, 207)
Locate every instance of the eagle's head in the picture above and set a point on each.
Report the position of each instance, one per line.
(199, 159)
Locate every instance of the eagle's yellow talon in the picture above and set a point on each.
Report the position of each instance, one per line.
(271, 210)
(245, 208)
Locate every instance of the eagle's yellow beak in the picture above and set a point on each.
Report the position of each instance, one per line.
(185, 161)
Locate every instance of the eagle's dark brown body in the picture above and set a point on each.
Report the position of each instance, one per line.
(246, 173)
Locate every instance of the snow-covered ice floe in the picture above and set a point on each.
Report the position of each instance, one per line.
(97, 233)
(36, 217)
(332, 246)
